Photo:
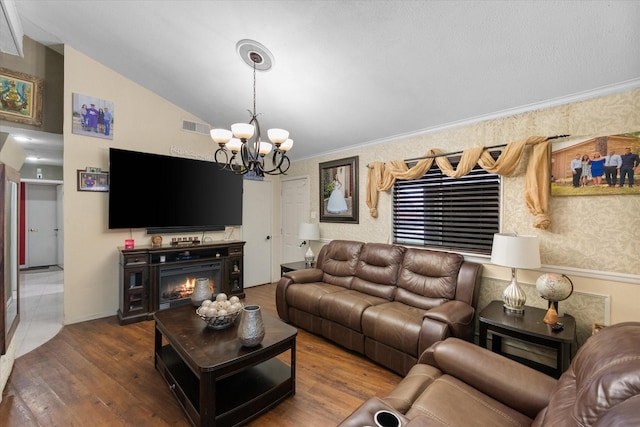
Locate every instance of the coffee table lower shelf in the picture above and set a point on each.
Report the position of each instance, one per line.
(261, 386)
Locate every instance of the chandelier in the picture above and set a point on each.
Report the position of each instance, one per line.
(243, 141)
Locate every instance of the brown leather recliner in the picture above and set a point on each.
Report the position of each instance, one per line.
(385, 301)
(459, 384)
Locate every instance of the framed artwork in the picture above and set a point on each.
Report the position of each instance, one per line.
(20, 97)
(596, 165)
(92, 116)
(339, 190)
(93, 181)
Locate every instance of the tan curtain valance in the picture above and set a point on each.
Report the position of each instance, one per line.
(381, 175)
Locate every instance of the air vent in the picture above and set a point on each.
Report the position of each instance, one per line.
(201, 128)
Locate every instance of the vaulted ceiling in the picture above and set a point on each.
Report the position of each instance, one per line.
(348, 73)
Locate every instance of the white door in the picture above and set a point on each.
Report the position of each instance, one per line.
(60, 224)
(41, 222)
(295, 210)
(257, 224)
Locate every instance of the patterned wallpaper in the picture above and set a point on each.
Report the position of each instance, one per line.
(599, 233)
(595, 233)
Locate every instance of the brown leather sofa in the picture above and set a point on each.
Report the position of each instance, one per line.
(457, 383)
(387, 302)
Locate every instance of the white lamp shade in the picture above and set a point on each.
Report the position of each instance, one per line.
(286, 146)
(309, 231)
(515, 250)
(277, 136)
(242, 130)
(221, 136)
(264, 148)
(234, 145)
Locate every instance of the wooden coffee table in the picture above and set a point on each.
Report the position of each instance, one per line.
(216, 380)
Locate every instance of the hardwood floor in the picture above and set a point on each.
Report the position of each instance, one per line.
(101, 374)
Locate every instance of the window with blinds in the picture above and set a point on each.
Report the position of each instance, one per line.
(449, 213)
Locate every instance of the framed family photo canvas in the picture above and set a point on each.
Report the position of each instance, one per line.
(339, 190)
(92, 117)
(20, 97)
(596, 165)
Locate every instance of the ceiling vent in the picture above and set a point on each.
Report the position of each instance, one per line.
(201, 128)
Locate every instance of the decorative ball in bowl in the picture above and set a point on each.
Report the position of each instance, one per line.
(221, 313)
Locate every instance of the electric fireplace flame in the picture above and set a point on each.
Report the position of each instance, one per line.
(181, 290)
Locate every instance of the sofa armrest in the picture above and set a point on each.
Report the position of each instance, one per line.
(517, 386)
(306, 275)
(457, 315)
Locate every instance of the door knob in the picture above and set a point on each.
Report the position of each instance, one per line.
(33, 230)
(268, 237)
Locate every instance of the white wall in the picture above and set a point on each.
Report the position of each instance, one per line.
(143, 121)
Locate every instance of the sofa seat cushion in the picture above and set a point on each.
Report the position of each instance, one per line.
(306, 296)
(449, 401)
(346, 308)
(394, 324)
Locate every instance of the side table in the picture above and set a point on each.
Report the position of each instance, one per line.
(529, 328)
(293, 266)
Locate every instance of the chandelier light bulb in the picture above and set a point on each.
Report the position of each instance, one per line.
(234, 145)
(265, 148)
(286, 146)
(277, 136)
(221, 136)
(242, 130)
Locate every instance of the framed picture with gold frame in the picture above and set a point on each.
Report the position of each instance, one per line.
(20, 97)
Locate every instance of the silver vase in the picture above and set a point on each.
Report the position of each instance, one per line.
(201, 291)
(251, 327)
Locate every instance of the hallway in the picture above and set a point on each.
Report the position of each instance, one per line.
(41, 308)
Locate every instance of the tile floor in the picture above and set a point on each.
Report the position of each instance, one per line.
(41, 308)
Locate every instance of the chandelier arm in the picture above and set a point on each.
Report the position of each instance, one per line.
(277, 163)
(220, 151)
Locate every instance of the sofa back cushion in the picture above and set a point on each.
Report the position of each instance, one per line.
(602, 385)
(377, 269)
(428, 278)
(338, 260)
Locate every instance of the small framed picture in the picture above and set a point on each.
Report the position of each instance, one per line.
(93, 181)
(339, 190)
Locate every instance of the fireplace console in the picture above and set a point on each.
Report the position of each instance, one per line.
(154, 278)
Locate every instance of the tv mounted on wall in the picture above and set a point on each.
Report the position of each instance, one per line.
(171, 194)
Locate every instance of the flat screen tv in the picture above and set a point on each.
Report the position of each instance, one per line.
(172, 194)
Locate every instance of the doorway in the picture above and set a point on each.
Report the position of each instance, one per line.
(257, 231)
(294, 199)
(42, 234)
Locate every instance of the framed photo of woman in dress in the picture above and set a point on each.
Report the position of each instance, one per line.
(339, 190)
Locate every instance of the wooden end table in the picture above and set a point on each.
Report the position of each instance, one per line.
(216, 380)
(530, 328)
(293, 266)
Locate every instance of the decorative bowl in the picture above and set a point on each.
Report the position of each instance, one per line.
(220, 322)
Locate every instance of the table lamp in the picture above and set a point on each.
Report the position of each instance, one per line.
(309, 232)
(515, 251)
